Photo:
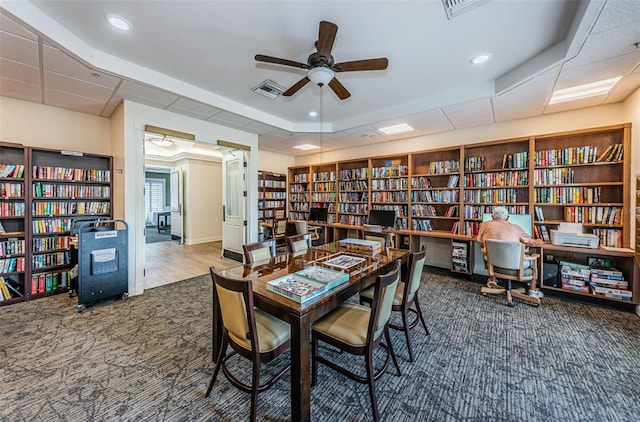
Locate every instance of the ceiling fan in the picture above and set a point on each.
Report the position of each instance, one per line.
(321, 65)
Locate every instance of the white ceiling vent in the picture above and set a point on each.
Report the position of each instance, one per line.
(455, 8)
(269, 89)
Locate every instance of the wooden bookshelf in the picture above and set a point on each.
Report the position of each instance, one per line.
(272, 195)
(324, 189)
(443, 193)
(299, 192)
(60, 188)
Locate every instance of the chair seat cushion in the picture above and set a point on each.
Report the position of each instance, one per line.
(527, 272)
(272, 332)
(397, 298)
(347, 323)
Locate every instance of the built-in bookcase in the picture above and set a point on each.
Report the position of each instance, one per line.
(353, 192)
(389, 183)
(272, 195)
(58, 188)
(324, 189)
(299, 192)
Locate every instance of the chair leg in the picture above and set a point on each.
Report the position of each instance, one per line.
(509, 297)
(387, 337)
(407, 333)
(219, 363)
(314, 362)
(255, 383)
(419, 312)
(371, 383)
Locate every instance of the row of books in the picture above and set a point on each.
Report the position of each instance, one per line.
(324, 186)
(423, 211)
(392, 171)
(401, 183)
(278, 184)
(331, 206)
(553, 176)
(272, 195)
(271, 204)
(576, 155)
(354, 185)
(50, 243)
(323, 196)
(390, 196)
(540, 232)
(80, 207)
(323, 176)
(567, 195)
(296, 188)
(496, 179)
(606, 282)
(9, 290)
(353, 208)
(424, 225)
(71, 174)
(401, 210)
(51, 190)
(299, 197)
(15, 171)
(12, 209)
(477, 211)
(352, 220)
(299, 206)
(444, 167)
(474, 164)
(502, 195)
(594, 215)
(441, 196)
(12, 265)
(51, 225)
(469, 228)
(515, 160)
(47, 282)
(12, 247)
(11, 190)
(612, 153)
(354, 174)
(353, 197)
(51, 259)
(609, 237)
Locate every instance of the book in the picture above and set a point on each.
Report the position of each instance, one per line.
(296, 288)
(3, 290)
(2, 230)
(331, 278)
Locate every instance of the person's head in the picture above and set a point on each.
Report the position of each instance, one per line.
(500, 213)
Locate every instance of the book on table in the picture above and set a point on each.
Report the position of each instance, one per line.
(307, 284)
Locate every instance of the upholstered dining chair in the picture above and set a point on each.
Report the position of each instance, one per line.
(358, 330)
(302, 227)
(508, 261)
(259, 251)
(406, 297)
(251, 333)
(298, 243)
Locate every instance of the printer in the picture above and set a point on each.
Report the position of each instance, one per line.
(570, 234)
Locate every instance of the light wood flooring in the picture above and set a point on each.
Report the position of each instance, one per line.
(168, 262)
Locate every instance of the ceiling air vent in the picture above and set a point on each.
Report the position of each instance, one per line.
(455, 8)
(269, 89)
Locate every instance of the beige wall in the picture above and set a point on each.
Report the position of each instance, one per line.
(276, 163)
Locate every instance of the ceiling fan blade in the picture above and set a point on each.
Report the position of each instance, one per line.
(285, 62)
(295, 88)
(326, 37)
(339, 89)
(370, 64)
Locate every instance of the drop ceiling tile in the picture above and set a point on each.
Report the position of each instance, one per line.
(146, 94)
(605, 69)
(606, 45)
(574, 105)
(284, 134)
(365, 131)
(19, 72)
(258, 128)
(20, 90)
(58, 82)
(511, 108)
(228, 119)
(617, 13)
(11, 27)
(73, 102)
(472, 113)
(19, 49)
(428, 122)
(56, 61)
(193, 108)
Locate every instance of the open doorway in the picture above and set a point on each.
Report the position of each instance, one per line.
(157, 204)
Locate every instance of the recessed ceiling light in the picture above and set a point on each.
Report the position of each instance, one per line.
(481, 58)
(306, 147)
(592, 89)
(118, 22)
(395, 129)
(313, 113)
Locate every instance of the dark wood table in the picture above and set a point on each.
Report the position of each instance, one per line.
(301, 316)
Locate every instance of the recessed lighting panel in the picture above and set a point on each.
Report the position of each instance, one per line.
(592, 89)
(118, 22)
(395, 129)
(482, 58)
(313, 113)
(306, 147)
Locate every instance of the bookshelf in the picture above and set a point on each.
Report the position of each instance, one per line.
(299, 192)
(324, 189)
(568, 176)
(272, 194)
(353, 192)
(13, 236)
(55, 189)
(389, 182)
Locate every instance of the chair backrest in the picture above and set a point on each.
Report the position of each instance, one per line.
(259, 251)
(414, 273)
(235, 301)
(298, 243)
(506, 259)
(382, 237)
(384, 291)
(372, 228)
(301, 226)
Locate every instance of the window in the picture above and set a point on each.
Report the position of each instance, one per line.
(154, 199)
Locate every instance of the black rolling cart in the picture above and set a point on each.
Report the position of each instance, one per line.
(102, 260)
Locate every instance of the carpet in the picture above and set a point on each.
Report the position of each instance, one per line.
(152, 235)
(149, 358)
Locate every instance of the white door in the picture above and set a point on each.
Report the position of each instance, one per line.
(234, 203)
(177, 205)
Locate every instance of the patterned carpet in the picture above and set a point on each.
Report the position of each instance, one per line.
(149, 359)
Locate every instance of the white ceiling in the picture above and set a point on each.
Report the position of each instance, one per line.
(197, 58)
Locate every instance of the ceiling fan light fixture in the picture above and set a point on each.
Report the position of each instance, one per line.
(320, 76)
(162, 142)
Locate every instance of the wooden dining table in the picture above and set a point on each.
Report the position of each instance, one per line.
(302, 315)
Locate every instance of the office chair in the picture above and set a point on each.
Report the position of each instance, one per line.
(251, 333)
(508, 261)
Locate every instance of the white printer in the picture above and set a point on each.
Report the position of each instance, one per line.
(570, 234)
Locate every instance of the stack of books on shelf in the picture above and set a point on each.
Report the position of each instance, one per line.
(369, 247)
(575, 276)
(308, 283)
(612, 153)
(516, 160)
(609, 283)
(7, 290)
(460, 257)
(15, 171)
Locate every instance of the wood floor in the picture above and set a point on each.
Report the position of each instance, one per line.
(168, 262)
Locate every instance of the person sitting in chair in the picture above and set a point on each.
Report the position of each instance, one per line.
(500, 228)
